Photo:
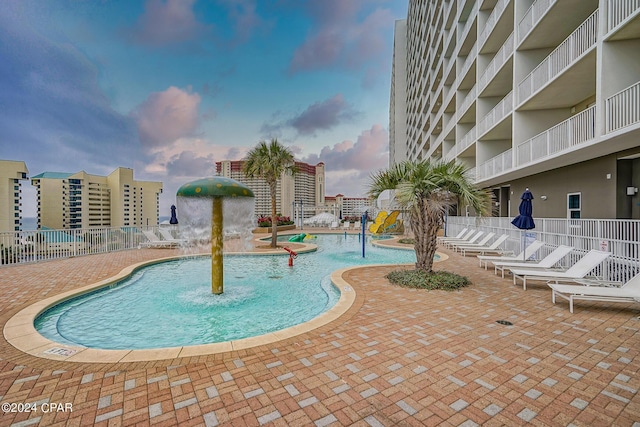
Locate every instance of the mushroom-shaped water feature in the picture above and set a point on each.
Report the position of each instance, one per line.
(215, 188)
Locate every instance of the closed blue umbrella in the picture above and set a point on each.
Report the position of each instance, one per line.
(524, 221)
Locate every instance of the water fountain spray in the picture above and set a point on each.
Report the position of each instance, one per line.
(215, 189)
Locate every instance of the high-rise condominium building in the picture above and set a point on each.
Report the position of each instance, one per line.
(11, 173)
(82, 200)
(306, 186)
(542, 94)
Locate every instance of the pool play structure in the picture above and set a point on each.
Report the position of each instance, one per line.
(213, 190)
(386, 223)
(302, 237)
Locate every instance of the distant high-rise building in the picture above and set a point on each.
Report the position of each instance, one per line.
(531, 93)
(306, 186)
(82, 200)
(11, 173)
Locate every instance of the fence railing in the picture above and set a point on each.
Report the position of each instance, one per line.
(492, 21)
(497, 165)
(623, 108)
(43, 245)
(619, 10)
(620, 237)
(497, 113)
(469, 98)
(569, 51)
(496, 63)
(565, 135)
(532, 16)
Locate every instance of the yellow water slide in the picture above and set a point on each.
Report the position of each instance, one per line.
(390, 221)
(376, 226)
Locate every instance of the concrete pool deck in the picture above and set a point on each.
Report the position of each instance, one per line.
(396, 357)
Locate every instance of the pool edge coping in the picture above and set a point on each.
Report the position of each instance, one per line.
(19, 330)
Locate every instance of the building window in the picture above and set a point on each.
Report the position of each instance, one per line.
(573, 205)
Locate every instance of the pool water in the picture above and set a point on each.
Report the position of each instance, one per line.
(170, 304)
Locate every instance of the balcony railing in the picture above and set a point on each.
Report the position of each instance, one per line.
(497, 165)
(623, 108)
(619, 10)
(499, 112)
(492, 21)
(496, 63)
(466, 102)
(562, 137)
(468, 61)
(568, 52)
(532, 17)
(468, 139)
(468, 22)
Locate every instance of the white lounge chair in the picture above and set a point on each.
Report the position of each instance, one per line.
(579, 270)
(523, 256)
(464, 238)
(493, 247)
(628, 292)
(547, 262)
(477, 244)
(457, 236)
(168, 237)
(156, 242)
(334, 225)
(471, 239)
(346, 225)
(357, 225)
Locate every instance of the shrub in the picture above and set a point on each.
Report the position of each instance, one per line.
(418, 279)
(407, 241)
(265, 221)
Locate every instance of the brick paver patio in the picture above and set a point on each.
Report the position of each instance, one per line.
(397, 357)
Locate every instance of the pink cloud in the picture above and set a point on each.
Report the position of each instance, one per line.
(341, 36)
(165, 117)
(370, 152)
(245, 18)
(167, 22)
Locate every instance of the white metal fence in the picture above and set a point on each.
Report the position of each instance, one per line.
(619, 10)
(32, 246)
(572, 132)
(532, 16)
(623, 108)
(620, 237)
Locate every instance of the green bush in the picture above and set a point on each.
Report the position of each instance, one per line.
(418, 279)
(407, 241)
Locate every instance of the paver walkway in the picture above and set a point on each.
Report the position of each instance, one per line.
(397, 357)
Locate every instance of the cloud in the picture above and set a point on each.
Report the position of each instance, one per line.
(51, 105)
(321, 115)
(341, 37)
(370, 152)
(166, 116)
(167, 22)
(244, 16)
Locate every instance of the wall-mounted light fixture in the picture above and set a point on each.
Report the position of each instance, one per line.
(632, 191)
(543, 197)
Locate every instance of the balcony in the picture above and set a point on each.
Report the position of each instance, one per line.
(492, 21)
(466, 141)
(497, 165)
(570, 51)
(496, 115)
(623, 108)
(466, 103)
(619, 11)
(563, 137)
(537, 10)
(496, 63)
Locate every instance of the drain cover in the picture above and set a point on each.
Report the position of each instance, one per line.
(504, 322)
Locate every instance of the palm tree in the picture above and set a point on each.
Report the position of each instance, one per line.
(269, 161)
(427, 189)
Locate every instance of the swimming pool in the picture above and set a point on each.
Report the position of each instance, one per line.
(170, 304)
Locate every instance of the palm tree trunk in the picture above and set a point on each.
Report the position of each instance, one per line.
(425, 226)
(274, 223)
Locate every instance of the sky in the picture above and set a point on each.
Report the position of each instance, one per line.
(169, 87)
